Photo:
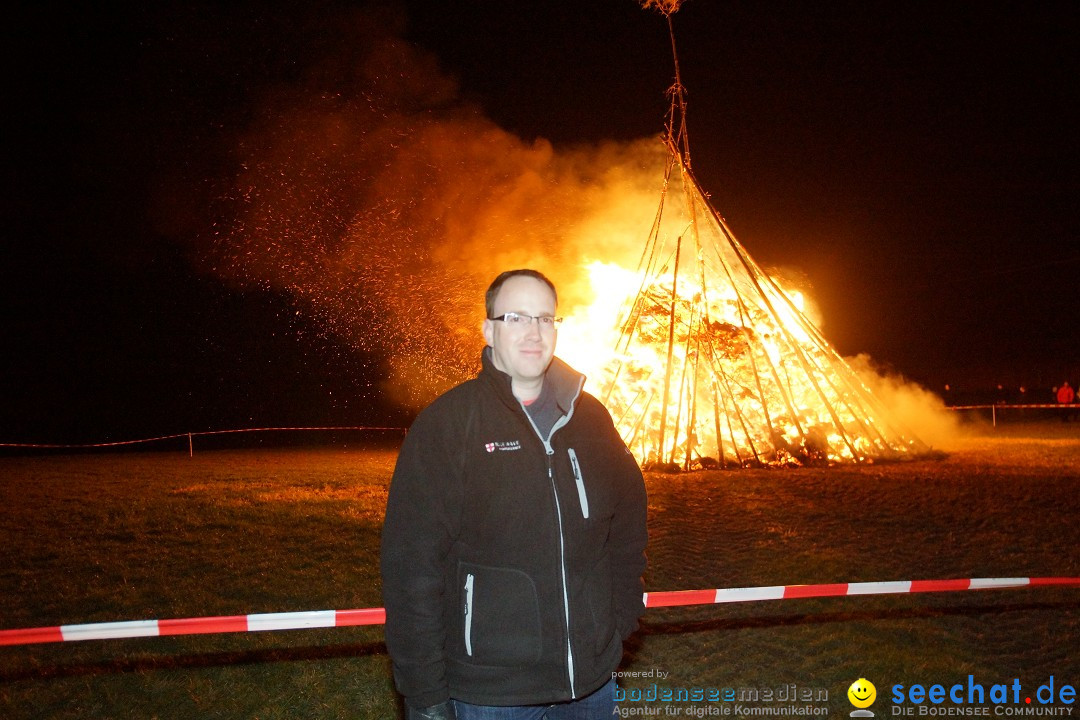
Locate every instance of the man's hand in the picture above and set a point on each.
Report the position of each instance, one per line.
(442, 711)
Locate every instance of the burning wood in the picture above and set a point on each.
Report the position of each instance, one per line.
(713, 363)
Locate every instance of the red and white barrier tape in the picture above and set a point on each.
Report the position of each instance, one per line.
(377, 616)
(195, 434)
(195, 626)
(784, 592)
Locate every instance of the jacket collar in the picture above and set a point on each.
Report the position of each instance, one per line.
(566, 381)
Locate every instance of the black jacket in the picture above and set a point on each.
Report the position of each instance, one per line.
(511, 565)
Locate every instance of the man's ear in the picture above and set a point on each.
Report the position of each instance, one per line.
(489, 332)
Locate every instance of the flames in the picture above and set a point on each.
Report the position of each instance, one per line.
(704, 360)
(384, 214)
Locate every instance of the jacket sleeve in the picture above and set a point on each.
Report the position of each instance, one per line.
(629, 537)
(422, 516)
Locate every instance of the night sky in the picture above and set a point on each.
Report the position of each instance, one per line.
(917, 164)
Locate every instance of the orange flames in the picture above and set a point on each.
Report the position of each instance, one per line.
(384, 214)
(704, 360)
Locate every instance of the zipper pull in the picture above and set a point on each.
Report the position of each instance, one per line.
(469, 579)
(580, 481)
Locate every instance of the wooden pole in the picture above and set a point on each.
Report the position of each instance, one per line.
(670, 346)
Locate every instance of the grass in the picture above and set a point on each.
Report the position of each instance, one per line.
(91, 538)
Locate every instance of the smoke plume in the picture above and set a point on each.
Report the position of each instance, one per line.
(909, 404)
(383, 204)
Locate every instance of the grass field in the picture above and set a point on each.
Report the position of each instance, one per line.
(91, 538)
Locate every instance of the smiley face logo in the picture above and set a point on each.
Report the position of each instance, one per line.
(862, 693)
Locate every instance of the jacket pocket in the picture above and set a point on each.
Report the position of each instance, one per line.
(600, 599)
(501, 616)
(583, 499)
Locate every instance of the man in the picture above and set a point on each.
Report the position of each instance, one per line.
(514, 540)
(1066, 396)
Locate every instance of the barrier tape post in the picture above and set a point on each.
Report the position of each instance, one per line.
(261, 622)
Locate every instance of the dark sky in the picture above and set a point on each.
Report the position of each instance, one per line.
(918, 163)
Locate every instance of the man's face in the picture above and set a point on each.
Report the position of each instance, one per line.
(523, 353)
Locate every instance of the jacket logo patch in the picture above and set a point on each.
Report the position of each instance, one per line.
(502, 446)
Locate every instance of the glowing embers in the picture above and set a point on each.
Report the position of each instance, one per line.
(704, 360)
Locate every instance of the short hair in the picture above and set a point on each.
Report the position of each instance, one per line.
(497, 283)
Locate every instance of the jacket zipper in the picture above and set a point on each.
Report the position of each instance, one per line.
(582, 497)
(469, 580)
(562, 569)
(549, 451)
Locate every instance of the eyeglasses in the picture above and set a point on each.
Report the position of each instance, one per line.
(512, 319)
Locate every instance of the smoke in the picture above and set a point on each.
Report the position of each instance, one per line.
(384, 205)
(909, 405)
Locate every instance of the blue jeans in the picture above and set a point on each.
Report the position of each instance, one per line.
(600, 705)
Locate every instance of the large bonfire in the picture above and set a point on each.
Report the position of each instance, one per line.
(711, 361)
